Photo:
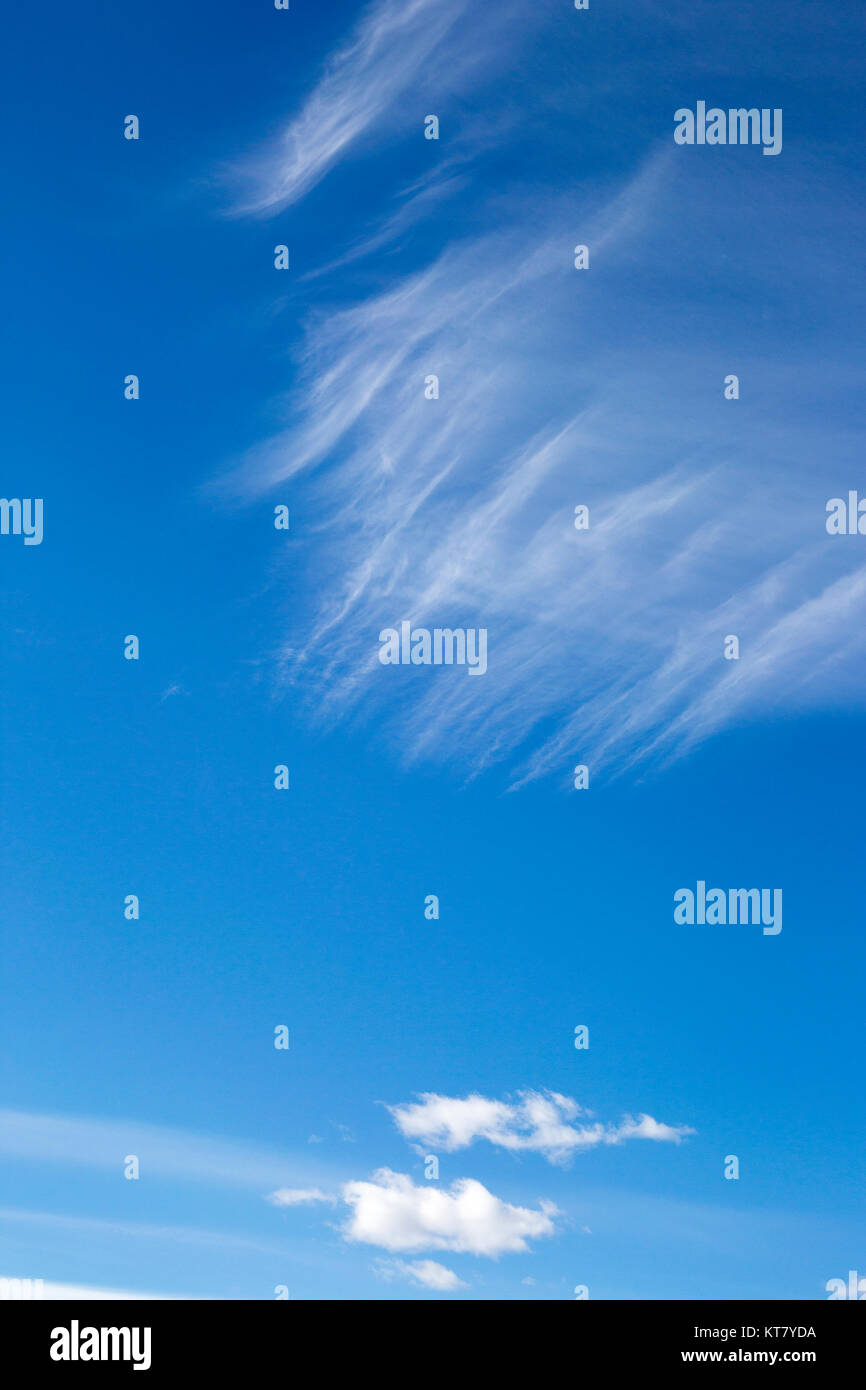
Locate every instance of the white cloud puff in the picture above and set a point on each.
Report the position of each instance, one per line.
(390, 1211)
(541, 1122)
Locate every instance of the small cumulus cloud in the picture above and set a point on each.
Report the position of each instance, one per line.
(391, 1212)
(541, 1122)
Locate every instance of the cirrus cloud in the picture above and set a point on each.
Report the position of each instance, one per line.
(428, 1273)
(299, 1197)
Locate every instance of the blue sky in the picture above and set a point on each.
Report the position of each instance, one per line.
(305, 907)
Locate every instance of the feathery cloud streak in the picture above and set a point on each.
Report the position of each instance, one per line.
(605, 646)
(379, 65)
(163, 1152)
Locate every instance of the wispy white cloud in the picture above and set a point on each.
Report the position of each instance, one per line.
(172, 690)
(428, 1273)
(162, 1152)
(605, 646)
(373, 75)
(126, 1231)
(547, 1123)
(411, 204)
(13, 1288)
(556, 388)
(300, 1197)
(392, 1212)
